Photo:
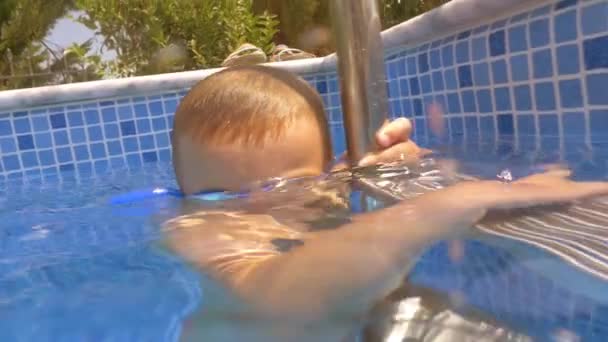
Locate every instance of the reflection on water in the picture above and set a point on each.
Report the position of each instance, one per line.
(72, 267)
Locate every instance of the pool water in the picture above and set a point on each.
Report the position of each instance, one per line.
(74, 268)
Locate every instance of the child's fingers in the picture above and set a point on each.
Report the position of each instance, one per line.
(396, 131)
(405, 151)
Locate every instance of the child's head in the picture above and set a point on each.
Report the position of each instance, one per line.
(245, 124)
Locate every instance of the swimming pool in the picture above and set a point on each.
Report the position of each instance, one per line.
(522, 87)
(75, 267)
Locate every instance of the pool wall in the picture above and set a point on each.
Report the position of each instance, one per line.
(522, 71)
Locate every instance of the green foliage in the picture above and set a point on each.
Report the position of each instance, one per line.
(397, 11)
(23, 25)
(194, 34)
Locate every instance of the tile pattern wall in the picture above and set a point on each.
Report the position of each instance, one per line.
(535, 78)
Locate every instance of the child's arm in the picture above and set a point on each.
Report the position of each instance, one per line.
(340, 273)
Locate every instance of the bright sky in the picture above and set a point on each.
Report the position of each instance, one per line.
(67, 31)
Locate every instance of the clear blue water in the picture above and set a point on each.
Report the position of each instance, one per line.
(74, 268)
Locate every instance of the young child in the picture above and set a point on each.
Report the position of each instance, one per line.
(276, 278)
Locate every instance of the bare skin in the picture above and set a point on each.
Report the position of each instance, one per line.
(320, 289)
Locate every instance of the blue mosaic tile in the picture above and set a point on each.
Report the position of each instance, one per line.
(64, 155)
(456, 126)
(6, 128)
(526, 124)
(131, 144)
(435, 60)
(502, 99)
(393, 88)
(447, 55)
(596, 53)
(146, 142)
(464, 76)
(481, 72)
(438, 81)
(98, 150)
(565, 27)
(484, 101)
(46, 158)
(462, 52)
(497, 43)
(95, 133)
(539, 33)
(518, 40)
(149, 157)
(499, 24)
(134, 160)
(22, 125)
(107, 103)
(450, 79)
(543, 66)
(545, 96)
(81, 152)
(471, 125)
(593, 18)
(40, 124)
(91, 116)
(25, 142)
(463, 35)
(596, 89)
(11, 163)
(43, 140)
(111, 131)
(523, 98)
(499, 72)
(414, 86)
(599, 124)
(109, 114)
(411, 66)
(125, 112)
(78, 135)
(519, 18)
(568, 60)
(548, 124)
(163, 141)
(487, 126)
(423, 63)
(480, 48)
(571, 95)
(481, 29)
(29, 159)
(565, 4)
(453, 103)
(519, 68)
(66, 167)
(127, 128)
(468, 102)
(61, 138)
(75, 119)
(141, 110)
(574, 123)
(505, 124)
(417, 107)
(425, 84)
(401, 71)
(114, 148)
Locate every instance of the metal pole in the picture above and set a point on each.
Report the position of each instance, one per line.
(361, 67)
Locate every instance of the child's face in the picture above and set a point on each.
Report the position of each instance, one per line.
(298, 152)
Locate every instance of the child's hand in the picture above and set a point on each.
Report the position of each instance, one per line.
(393, 141)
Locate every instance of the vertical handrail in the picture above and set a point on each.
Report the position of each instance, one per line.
(360, 52)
